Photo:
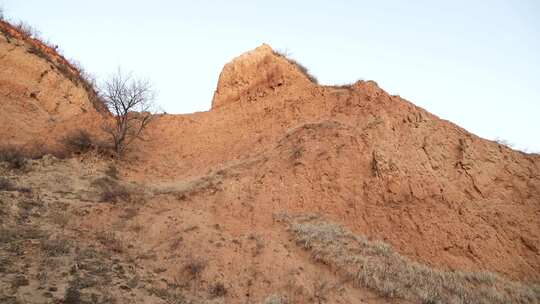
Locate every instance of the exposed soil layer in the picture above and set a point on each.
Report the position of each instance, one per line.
(194, 210)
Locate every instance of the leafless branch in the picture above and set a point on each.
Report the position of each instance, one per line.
(132, 102)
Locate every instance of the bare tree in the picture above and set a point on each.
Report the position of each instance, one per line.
(132, 102)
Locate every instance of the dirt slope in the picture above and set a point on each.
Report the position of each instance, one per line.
(42, 96)
(215, 207)
(376, 162)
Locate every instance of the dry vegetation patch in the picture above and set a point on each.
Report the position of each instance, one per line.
(6, 184)
(79, 141)
(113, 191)
(376, 265)
(13, 157)
(298, 65)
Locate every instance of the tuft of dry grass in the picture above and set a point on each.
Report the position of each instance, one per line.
(60, 218)
(375, 265)
(169, 295)
(194, 268)
(38, 51)
(217, 290)
(110, 241)
(14, 157)
(55, 247)
(298, 65)
(112, 171)
(78, 142)
(6, 185)
(8, 235)
(276, 299)
(27, 30)
(112, 191)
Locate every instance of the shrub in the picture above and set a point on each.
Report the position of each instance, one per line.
(115, 195)
(55, 248)
(112, 172)
(504, 142)
(18, 281)
(217, 290)
(6, 184)
(73, 295)
(194, 268)
(38, 51)
(68, 72)
(104, 149)
(13, 157)
(78, 142)
(110, 241)
(112, 191)
(6, 34)
(38, 151)
(27, 30)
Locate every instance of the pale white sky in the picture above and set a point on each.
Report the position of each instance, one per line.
(476, 63)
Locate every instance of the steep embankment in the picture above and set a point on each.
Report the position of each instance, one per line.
(42, 96)
(377, 163)
(218, 213)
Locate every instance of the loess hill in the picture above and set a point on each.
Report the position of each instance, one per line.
(285, 191)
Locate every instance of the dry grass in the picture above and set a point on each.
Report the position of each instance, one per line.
(275, 299)
(38, 51)
(16, 157)
(217, 290)
(78, 142)
(9, 234)
(194, 268)
(60, 218)
(183, 189)
(110, 241)
(298, 65)
(112, 191)
(13, 157)
(376, 266)
(27, 30)
(169, 295)
(112, 172)
(6, 185)
(55, 247)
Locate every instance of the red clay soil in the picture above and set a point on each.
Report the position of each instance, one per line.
(275, 142)
(377, 163)
(10, 31)
(42, 96)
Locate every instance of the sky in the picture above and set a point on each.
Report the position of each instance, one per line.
(475, 63)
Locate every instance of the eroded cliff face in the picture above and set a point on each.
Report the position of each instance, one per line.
(217, 188)
(256, 74)
(42, 96)
(383, 166)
